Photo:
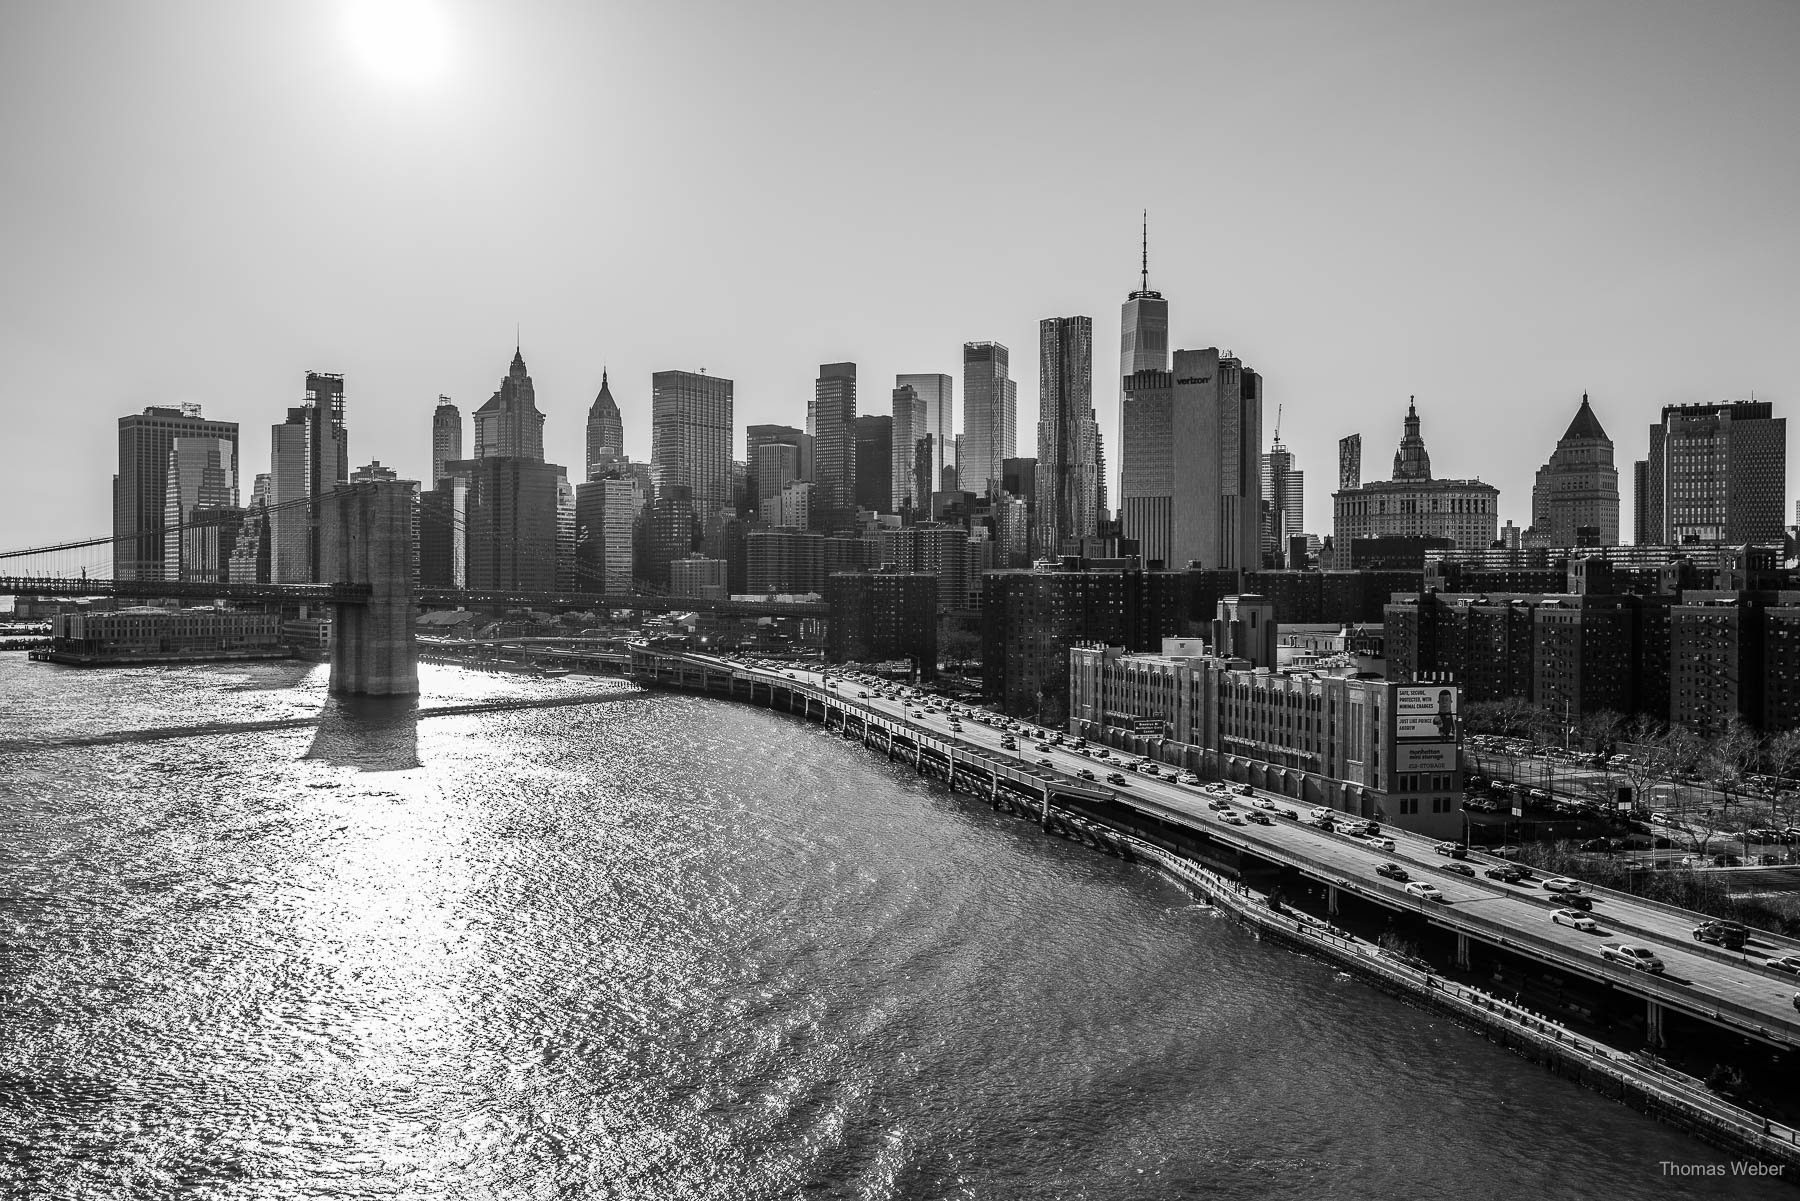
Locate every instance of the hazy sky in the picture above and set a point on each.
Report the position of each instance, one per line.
(1493, 206)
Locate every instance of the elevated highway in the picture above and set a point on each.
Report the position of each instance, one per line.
(1734, 991)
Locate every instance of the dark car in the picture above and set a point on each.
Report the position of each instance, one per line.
(1729, 935)
(1392, 871)
(1259, 817)
(1506, 873)
(1114, 778)
(1575, 900)
(1461, 869)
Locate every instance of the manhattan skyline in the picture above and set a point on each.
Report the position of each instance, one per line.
(1494, 211)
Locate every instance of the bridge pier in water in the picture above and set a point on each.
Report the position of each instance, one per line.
(366, 538)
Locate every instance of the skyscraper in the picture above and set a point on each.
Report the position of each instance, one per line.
(606, 515)
(1350, 463)
(309, 456)
(1717, 473)
(831, 420)
(1575, 498)
(1190, 471)
(1283, 490)
(875, 463)
(1143, 333)
(446, 437)
(990, 417)
(140, 489)
(938, 392)
(202, 478)
(1641, 533)
(690, 444)
(908, 428)
(605, 431)
(509, 424)
(1068, 458)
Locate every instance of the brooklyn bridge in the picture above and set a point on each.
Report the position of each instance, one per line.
(367, 548)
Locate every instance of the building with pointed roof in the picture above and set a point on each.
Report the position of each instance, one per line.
(509, 424)
(605, 431)
(1415, 504)
(1575, 499)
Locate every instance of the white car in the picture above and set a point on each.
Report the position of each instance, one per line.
(1232, 817)
(1381, 844)
(1577, 919)
(1265, 803)
(1188, 777)
(1562, 884)
(1429, 892)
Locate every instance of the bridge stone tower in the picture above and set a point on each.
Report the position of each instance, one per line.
(366, 537)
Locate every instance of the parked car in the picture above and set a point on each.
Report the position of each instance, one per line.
(1632, 955)
(1392, 871)
(1576, 919)
(1424, 891)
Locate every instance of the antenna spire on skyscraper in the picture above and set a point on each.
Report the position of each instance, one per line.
(1145, 285)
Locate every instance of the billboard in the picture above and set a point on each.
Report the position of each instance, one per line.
(1425, 756)
(1426, 711)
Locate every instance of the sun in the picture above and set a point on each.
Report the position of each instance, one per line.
(406, 41)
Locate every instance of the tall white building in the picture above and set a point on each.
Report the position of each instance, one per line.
(990, 417)
(938, 392)
(202, 474)
(1190, 471)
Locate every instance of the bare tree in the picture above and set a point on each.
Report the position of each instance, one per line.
(1781, 755)
(1724, 762)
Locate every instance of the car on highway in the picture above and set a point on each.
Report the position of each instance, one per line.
(1632, 955)
(1730, 935)
(1451, 849)
(1322, 823)
(1785, 963)
(1259, 817)
(1043, 746)
(1188, 777)
(1577, 900)
(1263, 802)
(1577, 919)
(1392, 871)
(1045, 763)
(1562, 884)
(1461, 869)
(1232, 817)
(1506, 873)
(1289, 814)
(1113, 777)
(1218, 803)
(1242, 789)
(1424, 891)
(1086, 773)
(1103, 753)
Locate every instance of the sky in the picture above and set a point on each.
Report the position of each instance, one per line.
(1493, 207)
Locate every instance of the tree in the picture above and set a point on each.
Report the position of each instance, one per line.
(1781, 756)
(1600, 729)
(959, 647)
(1724, 762)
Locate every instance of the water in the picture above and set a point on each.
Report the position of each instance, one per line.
(666, 947)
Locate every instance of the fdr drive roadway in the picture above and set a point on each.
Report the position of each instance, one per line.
(1730, 989)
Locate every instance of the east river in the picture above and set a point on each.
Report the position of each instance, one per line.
(259, 943)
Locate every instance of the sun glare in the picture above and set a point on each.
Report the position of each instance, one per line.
(402, 40)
